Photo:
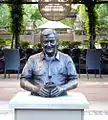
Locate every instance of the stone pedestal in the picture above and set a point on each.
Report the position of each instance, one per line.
(28, 107)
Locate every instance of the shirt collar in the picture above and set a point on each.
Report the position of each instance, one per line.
(57, 55)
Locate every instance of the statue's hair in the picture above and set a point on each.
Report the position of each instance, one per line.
(48, 32)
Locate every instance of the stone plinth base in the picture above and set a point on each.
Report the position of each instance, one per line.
(70, 107)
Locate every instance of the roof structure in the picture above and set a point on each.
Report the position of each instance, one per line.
(54, 25)
(73, 1)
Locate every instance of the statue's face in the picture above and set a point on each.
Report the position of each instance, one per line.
(50, 44)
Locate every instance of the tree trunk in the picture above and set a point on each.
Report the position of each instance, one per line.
(92, 25)
(12, 43)
(92, 22)
(16, 41)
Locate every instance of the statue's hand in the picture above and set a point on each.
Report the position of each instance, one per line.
(57, 91)
(49, 86)
(43, 92)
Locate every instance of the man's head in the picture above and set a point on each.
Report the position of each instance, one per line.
(49, 41)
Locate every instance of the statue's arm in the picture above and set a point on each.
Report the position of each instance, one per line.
(72, 84)
(27, 85)
(72, 80)
(26, 77)
(59, 89)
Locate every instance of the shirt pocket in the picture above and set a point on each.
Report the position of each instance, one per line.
(59, 70)
(39, 70)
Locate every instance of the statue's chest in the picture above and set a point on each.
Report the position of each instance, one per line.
(44, 67)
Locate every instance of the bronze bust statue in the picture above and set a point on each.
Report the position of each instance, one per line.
(49, 73)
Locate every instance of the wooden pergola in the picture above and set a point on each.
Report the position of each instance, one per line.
(73, 1)
(90, 4)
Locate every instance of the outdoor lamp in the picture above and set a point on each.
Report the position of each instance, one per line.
(54, 10)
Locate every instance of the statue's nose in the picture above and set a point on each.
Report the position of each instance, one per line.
(49, 44)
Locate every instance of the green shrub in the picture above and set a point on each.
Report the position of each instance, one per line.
(37, 45)
(74, 44)
(64, 43)
(86, 44)
(4, 42)
(69, 44)
(103, 43)
(24, 44)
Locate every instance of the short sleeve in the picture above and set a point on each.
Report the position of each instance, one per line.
(71, 70)
(28, 68)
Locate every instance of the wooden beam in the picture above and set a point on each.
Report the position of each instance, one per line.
(80, 2)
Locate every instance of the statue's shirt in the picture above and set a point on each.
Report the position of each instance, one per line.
(59, 70)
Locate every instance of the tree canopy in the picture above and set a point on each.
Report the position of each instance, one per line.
(31, 13)
(4, 15)
(103, 14)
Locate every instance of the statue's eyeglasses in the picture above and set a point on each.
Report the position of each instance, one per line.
(49, 41)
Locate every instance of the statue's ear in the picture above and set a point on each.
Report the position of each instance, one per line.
(41, 41)
(57, 42)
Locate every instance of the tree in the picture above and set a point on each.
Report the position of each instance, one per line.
(28, 10)
(89, 17)
(35, 17)
(16, 15)
(4, 15)
(82, 13)
(69, 21)
(31, 13)
(102, 10)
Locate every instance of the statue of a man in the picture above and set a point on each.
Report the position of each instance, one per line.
(49, 73)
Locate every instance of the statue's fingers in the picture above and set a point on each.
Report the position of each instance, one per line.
(55, 94)
(54, 90)
(43, 94)
(45, 91)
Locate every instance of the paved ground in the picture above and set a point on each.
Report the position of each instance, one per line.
(95, 90)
